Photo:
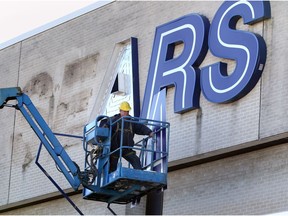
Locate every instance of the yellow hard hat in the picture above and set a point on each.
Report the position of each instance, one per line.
(125, 106)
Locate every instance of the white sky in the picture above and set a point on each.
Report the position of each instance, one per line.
(21, 16)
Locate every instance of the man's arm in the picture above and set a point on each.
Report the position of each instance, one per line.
(142, 129)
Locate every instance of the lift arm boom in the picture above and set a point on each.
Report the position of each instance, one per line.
(7, 94)
(44, 133)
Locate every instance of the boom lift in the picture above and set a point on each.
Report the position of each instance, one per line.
(122, 186)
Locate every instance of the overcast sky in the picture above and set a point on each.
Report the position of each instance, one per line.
(21, 16)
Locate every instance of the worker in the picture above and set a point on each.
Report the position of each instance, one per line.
(130, 129)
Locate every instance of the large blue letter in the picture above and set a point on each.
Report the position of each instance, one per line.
(180, 72)
(246, 48)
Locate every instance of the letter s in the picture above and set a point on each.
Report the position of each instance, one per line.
(246, 48)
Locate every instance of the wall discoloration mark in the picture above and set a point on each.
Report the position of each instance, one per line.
(80, 70)
(81, 103)
(18, 138)
(198, 137)
(76, 90)
(27, 160)
(40, 85)
(77, 104)
(63, 106)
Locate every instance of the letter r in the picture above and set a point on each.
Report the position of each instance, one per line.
(182, 71)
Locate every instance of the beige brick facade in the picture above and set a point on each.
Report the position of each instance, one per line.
(62, 69)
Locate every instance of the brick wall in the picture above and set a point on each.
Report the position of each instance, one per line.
(247, 184)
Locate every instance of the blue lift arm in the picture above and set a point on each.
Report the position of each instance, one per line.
(44, 133)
